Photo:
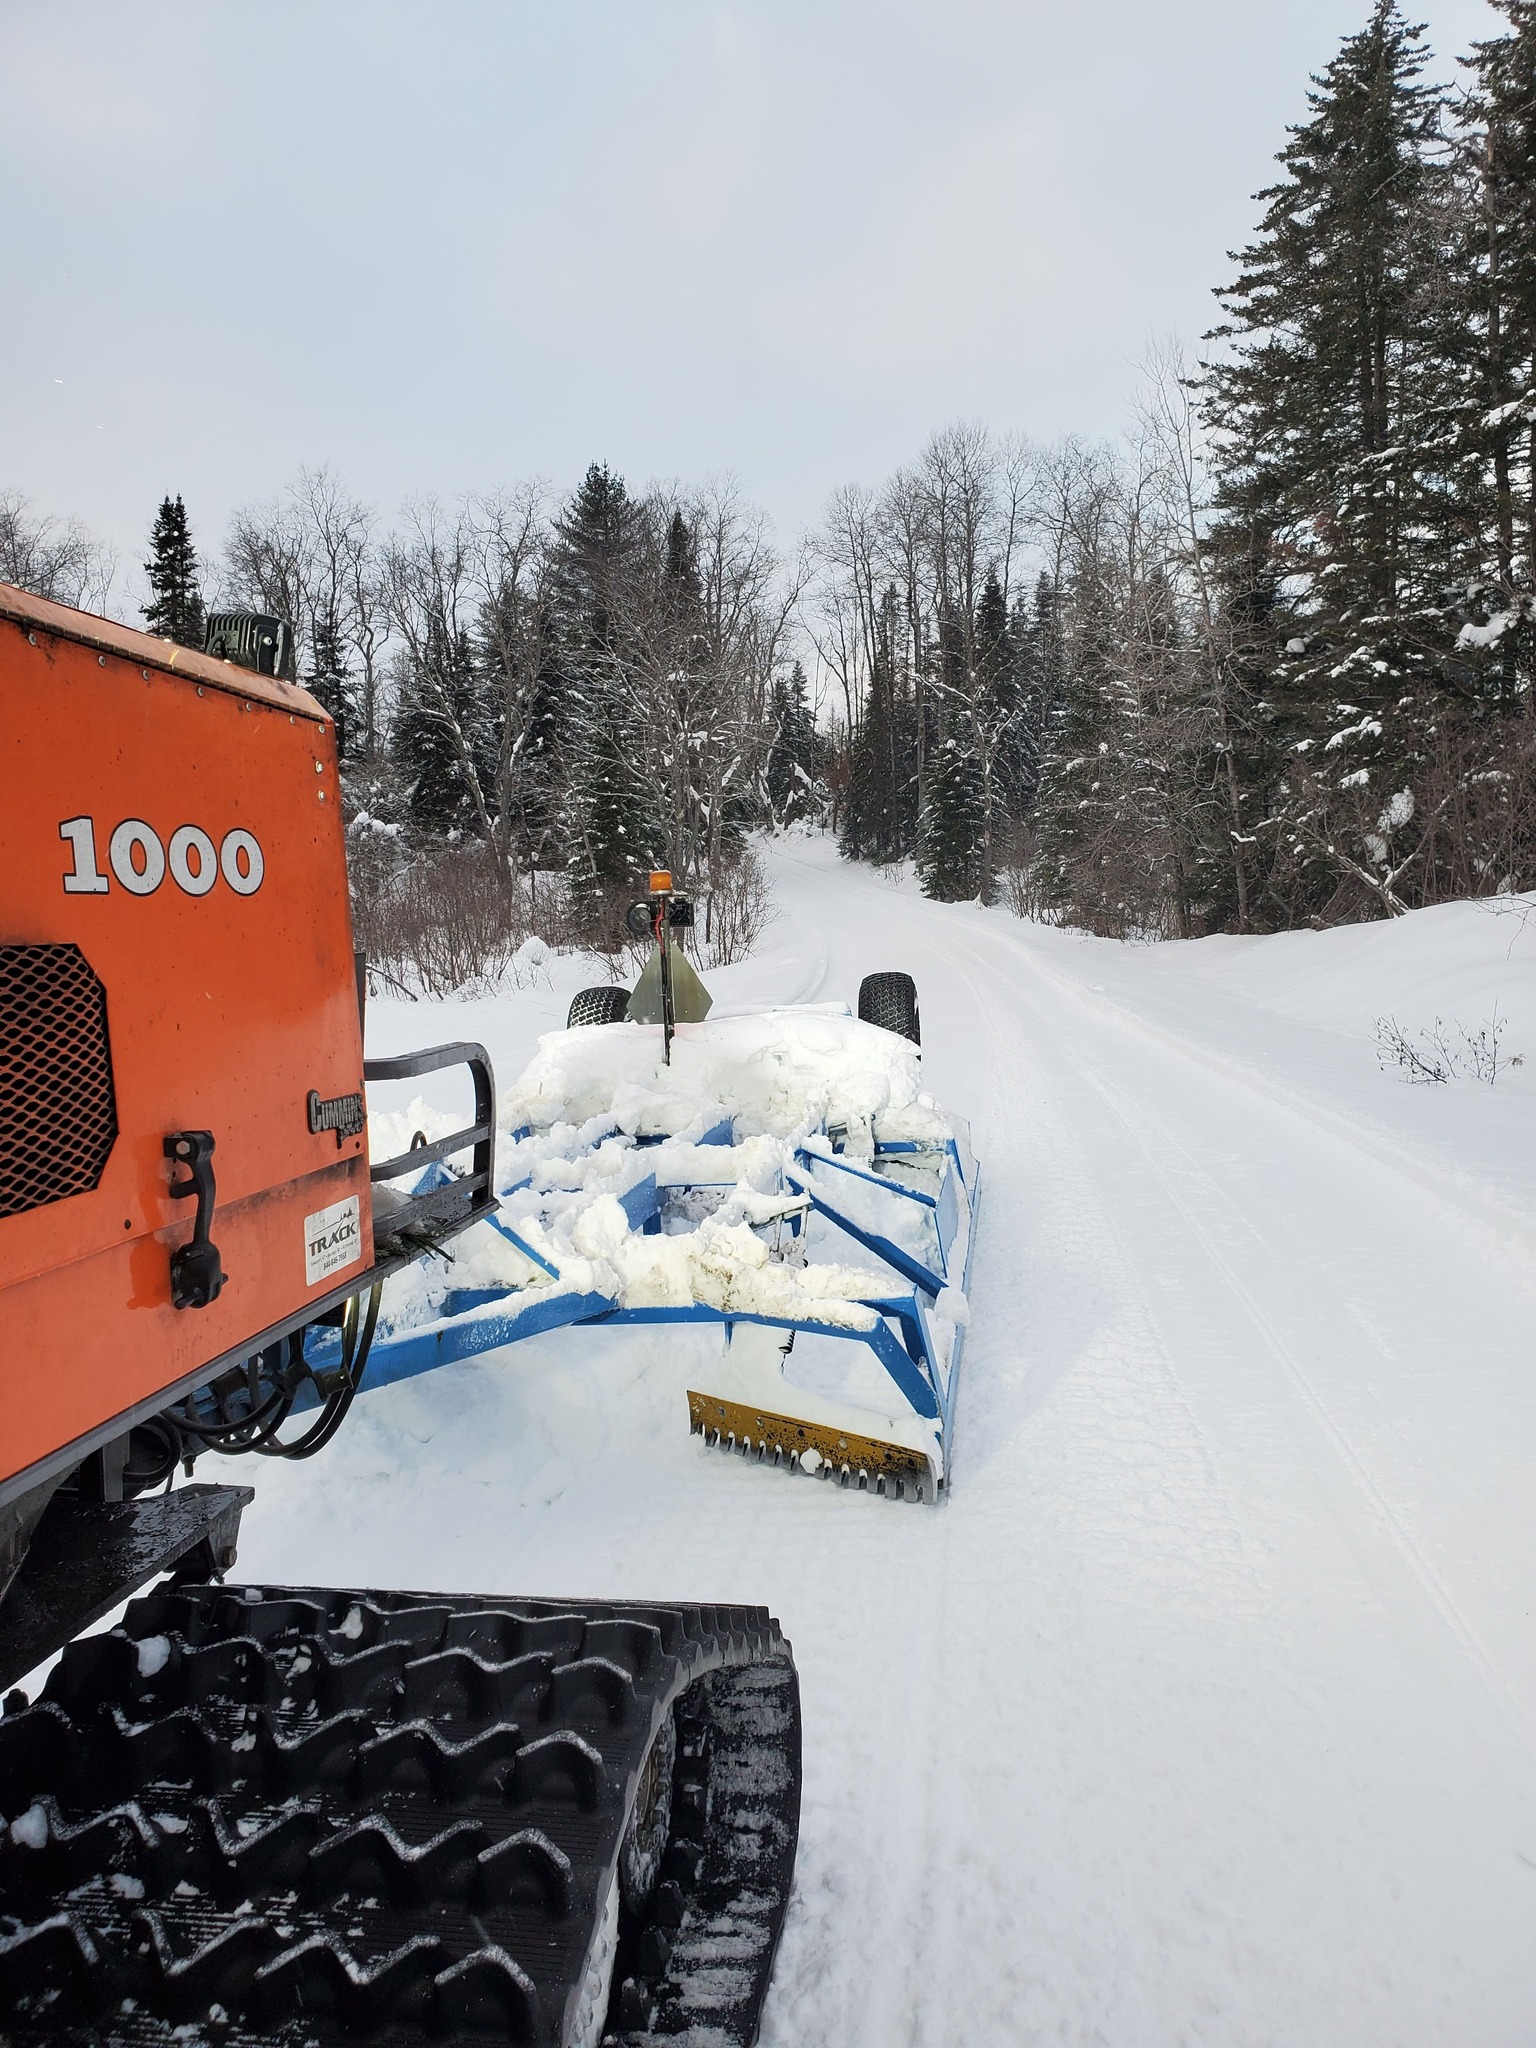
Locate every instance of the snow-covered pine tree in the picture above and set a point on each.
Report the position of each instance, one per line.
(949, 845)
(1245, 869)
(610, 831)
(793, 774)
(880, 817)
(1113, 809)
(595, 539)
(175, 609)
(327, 679)
(1498, 316)
(1036, 631)
(1334, 420)
(612, 836)
(678, 702)
(540, 775)
(1000, 721)
(952, 832)
(442, 740)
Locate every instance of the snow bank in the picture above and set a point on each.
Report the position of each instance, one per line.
(1296, 1014)
(1456, 959)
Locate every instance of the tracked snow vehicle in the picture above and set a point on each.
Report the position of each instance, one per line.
(782, 1176)
(259, 1814)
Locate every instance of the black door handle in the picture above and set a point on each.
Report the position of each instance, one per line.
(196, 1274)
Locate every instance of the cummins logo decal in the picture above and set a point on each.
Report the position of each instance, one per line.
(333, 1238)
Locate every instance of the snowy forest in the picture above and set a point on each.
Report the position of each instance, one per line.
(1265, 661)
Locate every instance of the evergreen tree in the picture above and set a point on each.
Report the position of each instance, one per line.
(1499, 314)
(1083, 737)
(1245, 872)
(997, 661)
(880, 818)
(175, 609)
(950, 862)
(953, 838)
(1036, 633)
(542, 778)
(443, 741)
(613, 840)
(793, 775)
(679, 694)
(328, 680)
(610, 830)
(596, 540)
(682, 569)
(1117, 796)
(999, 726)
(1332, 418)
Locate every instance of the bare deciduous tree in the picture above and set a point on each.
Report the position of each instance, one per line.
(54, 558)
(312, 558)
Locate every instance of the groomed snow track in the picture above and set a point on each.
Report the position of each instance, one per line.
(271, 1817)
(1200, 1715)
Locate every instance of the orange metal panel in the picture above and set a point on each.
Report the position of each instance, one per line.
(207, 889)
(41, 619)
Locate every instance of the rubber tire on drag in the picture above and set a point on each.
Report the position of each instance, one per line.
(890, 1000)
(598, 1006)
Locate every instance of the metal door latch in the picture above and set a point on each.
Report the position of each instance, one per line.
(196, 1274)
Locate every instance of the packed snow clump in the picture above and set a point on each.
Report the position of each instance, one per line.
(598, 1114)
(780, 1074)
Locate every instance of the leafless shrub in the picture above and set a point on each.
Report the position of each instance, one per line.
(445, 922)
(736, 911)
(1018, 875)
(1426, 1061)
(1432, 1054)
(440, 924)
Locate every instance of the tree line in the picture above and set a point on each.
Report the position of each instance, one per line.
(1268, 659)
(578, 689)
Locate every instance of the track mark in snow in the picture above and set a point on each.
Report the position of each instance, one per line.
(1136, 1120)
(1412, 1557)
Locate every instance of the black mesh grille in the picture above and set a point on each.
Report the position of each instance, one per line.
(58, 1114)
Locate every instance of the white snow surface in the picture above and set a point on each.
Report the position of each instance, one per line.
(1204, 1710)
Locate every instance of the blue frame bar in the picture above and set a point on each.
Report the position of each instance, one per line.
(901, 1335)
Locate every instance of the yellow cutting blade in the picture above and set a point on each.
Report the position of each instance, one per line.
(840, 1454)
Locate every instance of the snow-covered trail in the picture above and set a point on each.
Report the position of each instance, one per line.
(1205, 1708)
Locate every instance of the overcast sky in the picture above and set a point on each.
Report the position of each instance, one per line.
(446, 245)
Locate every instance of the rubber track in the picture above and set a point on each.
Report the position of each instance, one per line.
(285, 1818)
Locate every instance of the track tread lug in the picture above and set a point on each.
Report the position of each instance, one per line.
(315, 1803)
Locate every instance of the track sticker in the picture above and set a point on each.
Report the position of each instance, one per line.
(333, 1238)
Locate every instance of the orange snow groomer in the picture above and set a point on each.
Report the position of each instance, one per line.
(182, 1165)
